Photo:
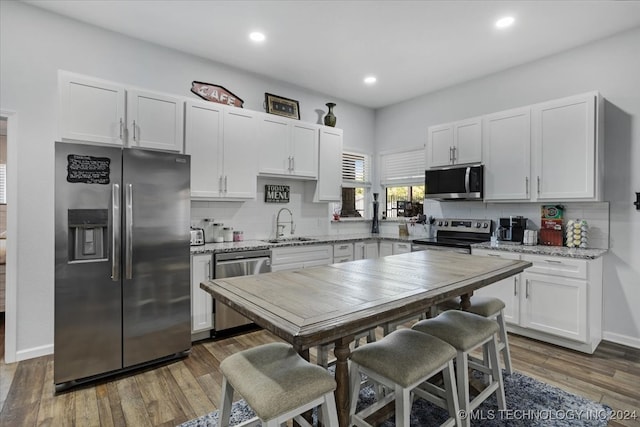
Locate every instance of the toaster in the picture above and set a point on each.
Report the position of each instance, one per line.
(197, 236)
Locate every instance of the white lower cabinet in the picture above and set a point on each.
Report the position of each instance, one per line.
(201, 301)
(401, 248)
(385, 249)
(296, 257)
(342, 252)
(365, 250)
(557, 300)
(508, 290)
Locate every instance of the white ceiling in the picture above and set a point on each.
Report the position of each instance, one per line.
(413, 47)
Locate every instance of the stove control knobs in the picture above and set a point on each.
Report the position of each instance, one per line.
(440, 223)
(446, 223)
(485, 225)
(477, 225)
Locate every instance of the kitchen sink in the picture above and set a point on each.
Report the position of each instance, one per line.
(290, 239)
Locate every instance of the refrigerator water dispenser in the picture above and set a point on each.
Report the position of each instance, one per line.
(88, 234)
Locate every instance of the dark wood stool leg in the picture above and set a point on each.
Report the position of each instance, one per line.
(342, 353)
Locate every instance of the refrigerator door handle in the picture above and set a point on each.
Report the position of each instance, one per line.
(128, 244)
(115, 233)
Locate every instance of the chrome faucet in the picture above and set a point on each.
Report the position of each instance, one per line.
(280, 227)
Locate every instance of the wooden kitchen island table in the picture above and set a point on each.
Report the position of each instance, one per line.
(333, 303)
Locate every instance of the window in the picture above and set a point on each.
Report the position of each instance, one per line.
(402, 177)
(405, 201)
(355, 185)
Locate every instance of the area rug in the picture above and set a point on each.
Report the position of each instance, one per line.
(529, 402)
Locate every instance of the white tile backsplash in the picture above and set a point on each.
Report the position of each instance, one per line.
(257, 219)
(596, 214)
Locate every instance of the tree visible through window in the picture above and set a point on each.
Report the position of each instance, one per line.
(404, 201)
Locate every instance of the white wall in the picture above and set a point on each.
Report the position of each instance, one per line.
(34, 44)
(610, 66)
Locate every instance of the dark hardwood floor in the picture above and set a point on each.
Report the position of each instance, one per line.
(177, 392)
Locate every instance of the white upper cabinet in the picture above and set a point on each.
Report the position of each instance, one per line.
(506, 154)
(222, 143)
(287, 147)
(240, 159)
(550, 151)
(329, 185)
(203, 141)
(565, 151)
(455, 143)
(154, 121)
(91, 110)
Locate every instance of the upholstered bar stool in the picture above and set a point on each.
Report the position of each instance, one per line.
(491, 308)
(278, 385)
(466, 332)
(403, 361)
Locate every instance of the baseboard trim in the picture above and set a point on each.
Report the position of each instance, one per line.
(621, 339)
(34, 352)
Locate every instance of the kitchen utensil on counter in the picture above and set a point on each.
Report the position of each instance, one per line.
(227, 233)
(514, 227)
(530, 238)
(197, 236)
(577, 234)
(212, 230)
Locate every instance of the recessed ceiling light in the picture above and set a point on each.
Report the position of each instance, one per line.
(257, 36)
(505, 22)
(370, 80)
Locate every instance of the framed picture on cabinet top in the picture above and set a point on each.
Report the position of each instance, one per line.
(285, 107)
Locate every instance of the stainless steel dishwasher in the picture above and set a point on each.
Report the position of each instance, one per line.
(234, 264)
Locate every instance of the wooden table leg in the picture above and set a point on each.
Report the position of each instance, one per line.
(342, 352)
(309, 414)
(465, 301)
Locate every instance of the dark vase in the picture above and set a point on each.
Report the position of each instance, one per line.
(374, 224)
(330, 118)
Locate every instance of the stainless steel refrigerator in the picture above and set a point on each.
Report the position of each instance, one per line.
(122, 280)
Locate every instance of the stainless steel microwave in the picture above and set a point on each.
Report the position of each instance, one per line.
(455, 183)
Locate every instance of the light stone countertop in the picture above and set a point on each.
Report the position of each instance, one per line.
(250, 245)
(560, 251)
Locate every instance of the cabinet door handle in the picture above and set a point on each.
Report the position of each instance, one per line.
(293, 163)
(538, 179)
(134, 130)
(121, 128)
(220, 187)
(526, 185)
(526, 290)
(454, 154)
(450, 154)
(225, 183)
(494, 255)
(344, 247)
(207, 270)
(553, 261)
(289, 168)
(515, 286)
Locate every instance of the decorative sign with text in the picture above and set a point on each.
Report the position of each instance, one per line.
(215, 93)
(276, 194)
(88, 169)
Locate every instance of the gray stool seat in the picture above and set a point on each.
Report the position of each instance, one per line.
(492, 308)
(466, 332)
(462, 330)
(404, 356)
(403, 361)
(274, 380)
(482, 306)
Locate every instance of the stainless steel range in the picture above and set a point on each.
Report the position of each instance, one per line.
(456, 235)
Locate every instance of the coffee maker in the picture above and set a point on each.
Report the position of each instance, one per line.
(513, 228)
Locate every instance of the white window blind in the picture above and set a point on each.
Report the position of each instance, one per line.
(405, 167)
(355, 169)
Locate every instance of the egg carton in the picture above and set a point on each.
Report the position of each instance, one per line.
(577, 234)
